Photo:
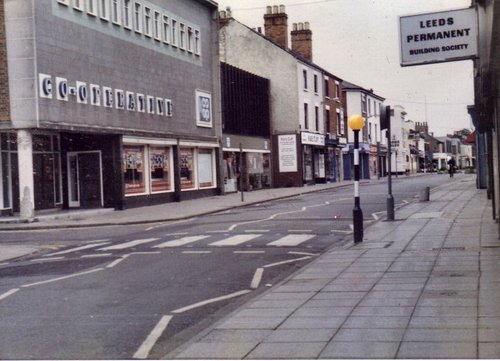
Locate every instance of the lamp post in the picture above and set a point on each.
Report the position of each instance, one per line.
(356, 123)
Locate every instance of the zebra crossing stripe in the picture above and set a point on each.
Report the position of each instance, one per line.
(235, 240)
(128, 244)
(71, 250)
(291, 240)
(180, 242)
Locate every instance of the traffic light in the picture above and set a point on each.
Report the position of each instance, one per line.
(385, 117)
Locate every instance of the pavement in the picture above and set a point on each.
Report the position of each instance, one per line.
(423, 286)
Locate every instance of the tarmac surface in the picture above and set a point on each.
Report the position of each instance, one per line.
(425, 286)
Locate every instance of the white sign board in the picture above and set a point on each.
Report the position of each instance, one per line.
(287, 150)
(438, 37)
(313, 139)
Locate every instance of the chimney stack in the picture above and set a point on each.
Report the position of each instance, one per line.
(302, 40)
(224, 17)
(276, 24)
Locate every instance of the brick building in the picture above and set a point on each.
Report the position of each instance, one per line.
(108, 103)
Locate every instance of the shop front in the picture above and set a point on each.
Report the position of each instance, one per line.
(364, 161)
(249, 157)
(157, 170)
(333, 157)
(313, 158)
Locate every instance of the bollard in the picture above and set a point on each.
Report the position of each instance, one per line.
(424, 194)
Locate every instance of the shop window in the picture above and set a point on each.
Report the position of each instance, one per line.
(133, 168)
(8, 141)
(205, 168)
(186, 156)
(160, 169)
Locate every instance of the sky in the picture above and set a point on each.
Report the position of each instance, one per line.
(358, 41)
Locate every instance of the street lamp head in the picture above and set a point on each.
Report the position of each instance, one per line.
(356, 122)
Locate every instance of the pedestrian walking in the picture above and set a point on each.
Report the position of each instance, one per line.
(451, 166)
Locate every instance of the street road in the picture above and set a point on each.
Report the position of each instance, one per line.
(140, 291)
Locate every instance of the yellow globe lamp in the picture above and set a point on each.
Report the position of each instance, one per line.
(356, 122)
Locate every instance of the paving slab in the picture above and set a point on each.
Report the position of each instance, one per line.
(286, 350)
(370, 334)
(301, 335)
(437, 350)
(360, 350)
(311, 322)
(220, 351)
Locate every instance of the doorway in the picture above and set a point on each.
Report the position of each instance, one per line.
(85, 188)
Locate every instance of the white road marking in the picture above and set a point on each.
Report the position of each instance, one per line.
(117, 261)
(63, 278)
(180, 242)
(145, 253)
(235, 240)
(249, 252)
(257, 277)
(8, 293)
(4, 264)
(163, 224)
(232, 227)
(291, 240)
(257, 231)
(93, 245)
(147, 345)
(285, 262)
(299, 230)
(303, 253)
(96, 255)
(176, 234)
(47, 259)
(128, 244)
(342, 231)
(196, 252)
(212, 300)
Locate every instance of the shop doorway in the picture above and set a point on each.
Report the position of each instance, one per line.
(85, 180)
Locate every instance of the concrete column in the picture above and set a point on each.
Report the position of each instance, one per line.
(26, 182)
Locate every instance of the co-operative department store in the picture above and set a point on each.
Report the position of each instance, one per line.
(110, 103)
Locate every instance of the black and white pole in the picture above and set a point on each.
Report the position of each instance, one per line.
(356, 123)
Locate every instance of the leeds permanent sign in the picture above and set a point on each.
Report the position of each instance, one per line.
(438, 37)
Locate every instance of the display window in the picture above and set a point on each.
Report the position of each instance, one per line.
(186, 163)
(206, 168)
(159, 159)
(133, 168)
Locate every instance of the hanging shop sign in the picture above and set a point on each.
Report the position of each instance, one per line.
(102, 96)
(438, 37)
